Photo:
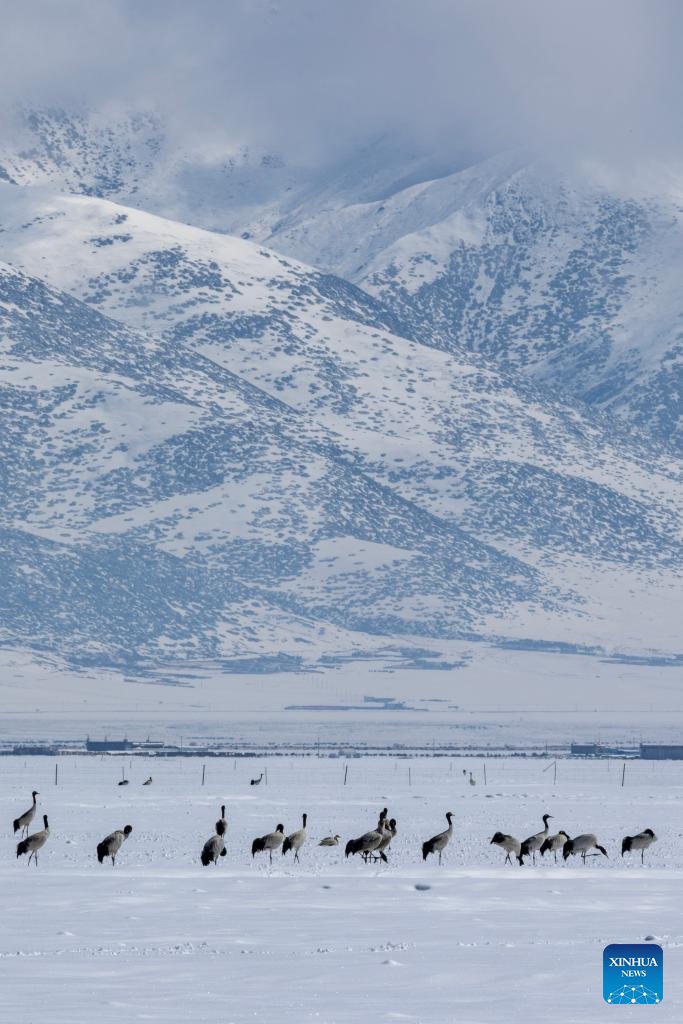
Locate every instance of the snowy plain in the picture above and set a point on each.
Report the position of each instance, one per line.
(490, 697)
(160, 938)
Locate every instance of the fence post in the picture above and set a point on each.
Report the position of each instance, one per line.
(203, 773)
(346, 772)
(623, 774)
(56, 772)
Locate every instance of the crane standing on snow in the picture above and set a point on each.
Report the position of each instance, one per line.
(437, 844)
(296, 840)
(111, 845)
(24, 820)
(33, 843)
(640, 842)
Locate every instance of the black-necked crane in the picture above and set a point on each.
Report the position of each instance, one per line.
(390, 831)
(213, 849)
(554, 843)
(384, 828)
(510, 844)
(148, 781)
(256, 782)
(122, 782)
(24, 820)
(531, 845)
(472, 780)
(111, 845)
(295, 840)
(271, 841)
(438, 843)
(368, 842)
(222, 824)
(330, 841)
(582, 844)
(640, 842)
(33, 843)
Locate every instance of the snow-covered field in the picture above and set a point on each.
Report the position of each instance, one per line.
(159, 938)
(491, 697)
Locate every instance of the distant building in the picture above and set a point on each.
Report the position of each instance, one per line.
(587, 749)
(103, 746)
(33, 749)
(661, 752)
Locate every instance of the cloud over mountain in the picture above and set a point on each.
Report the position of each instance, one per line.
(312, 79)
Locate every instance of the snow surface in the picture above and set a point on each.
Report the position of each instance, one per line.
(161, 938)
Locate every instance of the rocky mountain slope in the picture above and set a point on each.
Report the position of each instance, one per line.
(156, 505)
(458, 418)
(302, 454)
(568, 275)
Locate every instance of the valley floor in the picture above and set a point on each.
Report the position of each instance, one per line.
(159, 938)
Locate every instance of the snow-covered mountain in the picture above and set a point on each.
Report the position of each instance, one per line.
(219, 451)
(569, 276)
(156, 505)
(257, 433)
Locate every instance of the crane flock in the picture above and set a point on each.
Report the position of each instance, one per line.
(542, 842)
(373, 845)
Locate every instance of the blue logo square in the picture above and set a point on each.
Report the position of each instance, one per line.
(633, 973)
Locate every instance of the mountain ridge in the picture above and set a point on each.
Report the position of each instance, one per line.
(436, 441)
(310, 462)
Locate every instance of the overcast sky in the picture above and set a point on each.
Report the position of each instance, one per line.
(313, 78)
